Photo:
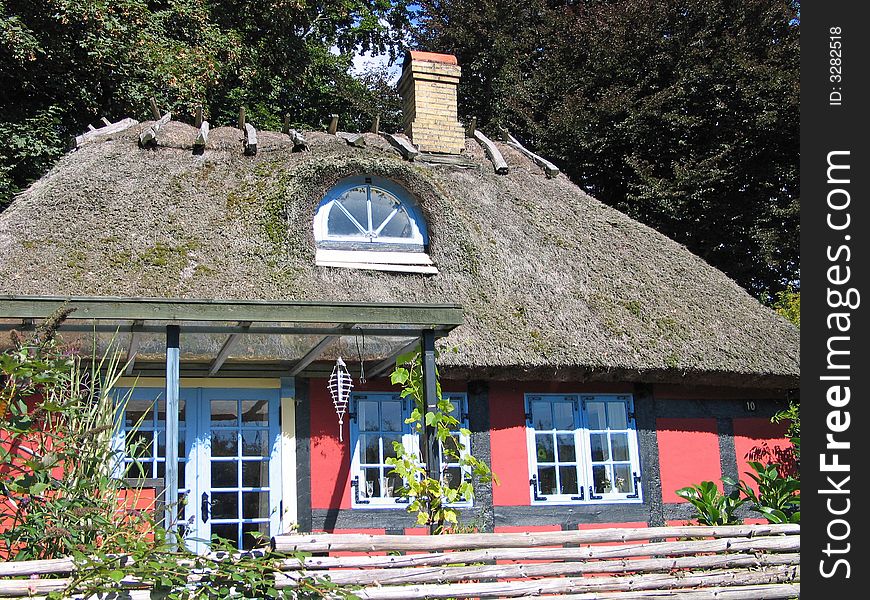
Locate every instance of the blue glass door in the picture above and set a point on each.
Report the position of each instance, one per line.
(238, 487)
(229, 459)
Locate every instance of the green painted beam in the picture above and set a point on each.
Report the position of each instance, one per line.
(362, 313)
(86, 326)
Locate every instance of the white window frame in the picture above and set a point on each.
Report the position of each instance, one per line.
(410, 441)
(369, 250)
(582, 448)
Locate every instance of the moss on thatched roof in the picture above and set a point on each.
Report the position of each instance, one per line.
(555, 284)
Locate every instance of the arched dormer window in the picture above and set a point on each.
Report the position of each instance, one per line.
(371, 223)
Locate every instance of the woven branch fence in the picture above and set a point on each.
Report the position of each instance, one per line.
(743, 562)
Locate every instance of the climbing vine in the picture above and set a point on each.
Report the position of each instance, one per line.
(429, 497)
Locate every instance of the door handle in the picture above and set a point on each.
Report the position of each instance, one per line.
(205, 507)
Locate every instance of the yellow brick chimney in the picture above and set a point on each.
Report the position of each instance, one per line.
(428, 89)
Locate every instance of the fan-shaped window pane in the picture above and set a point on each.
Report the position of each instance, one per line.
(371, 223)
(369, 214)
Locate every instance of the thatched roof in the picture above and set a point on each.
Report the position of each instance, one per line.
(555, 284)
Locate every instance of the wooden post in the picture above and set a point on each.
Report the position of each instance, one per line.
(333, 124)
(376, 124)
(202, 136)
(150, 135)
(250, 140)
(353, 139)
(498, 161)
(299, 142)
(105, 121)
(428, 439)
(242, 118)
(405, 148)
(154, 112)
(471, 128)
(198, 122)
(286, 128)
(173, 353)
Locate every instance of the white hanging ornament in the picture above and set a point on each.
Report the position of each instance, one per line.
(340, 384)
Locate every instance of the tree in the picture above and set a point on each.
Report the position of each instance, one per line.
(681, 113)
(788, 305)
(66, 63)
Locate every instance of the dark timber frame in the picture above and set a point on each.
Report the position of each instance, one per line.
(425, 322)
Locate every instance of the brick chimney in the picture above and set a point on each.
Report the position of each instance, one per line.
(428, 89)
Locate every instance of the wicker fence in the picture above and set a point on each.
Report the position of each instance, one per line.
(744, 562)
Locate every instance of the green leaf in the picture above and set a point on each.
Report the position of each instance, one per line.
(115, 575)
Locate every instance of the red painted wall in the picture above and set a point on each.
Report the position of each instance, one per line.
(509, 453)
(757, 439)
(688, 454)
(330, 458)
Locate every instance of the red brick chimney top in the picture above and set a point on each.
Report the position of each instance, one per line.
(448, 59)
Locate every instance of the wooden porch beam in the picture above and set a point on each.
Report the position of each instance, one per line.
(202, 310)
(133, 347)
(224, 352)
(314, 353)
(390, 361)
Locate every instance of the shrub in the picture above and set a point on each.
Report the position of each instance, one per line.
(778, 496)
(712, 507)
(58, 492)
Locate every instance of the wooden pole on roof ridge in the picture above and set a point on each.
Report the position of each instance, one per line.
(286, 128)
(471, 128)
(376, 124)
(201, 136)
(250, 140)
(333, 124)
(198, 121)
(154, 111)
(105, 121)
(498, 161)
(242, 118)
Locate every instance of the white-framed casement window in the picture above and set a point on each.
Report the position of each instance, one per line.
(368, 222)
(377, 420)
(582, 448)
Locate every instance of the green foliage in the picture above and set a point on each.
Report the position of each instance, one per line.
(58, 413)
(792, 414)
(429, 497)
(712, 507)
(69, 62)
(182, 575)
(682, 113)
(788, 305)
(778, 497)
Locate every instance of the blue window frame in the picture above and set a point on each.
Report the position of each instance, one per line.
(377, 421)
(370, 213)
(582, 448)
(368, 222)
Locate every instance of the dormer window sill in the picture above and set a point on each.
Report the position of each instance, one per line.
(397, 262)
